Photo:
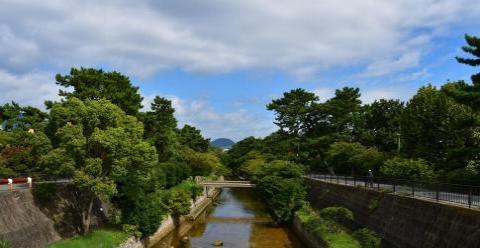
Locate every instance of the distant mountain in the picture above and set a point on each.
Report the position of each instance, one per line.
(222, 143)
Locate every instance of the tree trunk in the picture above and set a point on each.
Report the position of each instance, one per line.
(86, 216)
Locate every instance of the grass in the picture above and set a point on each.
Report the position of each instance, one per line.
(98, 239)
(340, 239)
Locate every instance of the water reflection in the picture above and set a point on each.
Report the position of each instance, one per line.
(240, 220)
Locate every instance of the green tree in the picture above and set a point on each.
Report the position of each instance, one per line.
(473, 48)
(468, 94)
(293, 111)
(95, 84)
(20, 153)
(281, 184)
(14, 116)
(353, 158)
(236, 155)
(343, 110)
(433, 125)
(102, 148)
(383, 124)
(191, 137)
(407, 168)
(160, 125)
(204, 164)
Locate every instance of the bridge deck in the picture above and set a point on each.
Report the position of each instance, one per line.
(229, 184)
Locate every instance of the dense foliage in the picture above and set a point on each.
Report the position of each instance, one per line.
(434, 135)
(281, 184)
(96, 136)
(326, 226)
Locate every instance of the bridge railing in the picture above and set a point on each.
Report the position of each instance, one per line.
(467, 195)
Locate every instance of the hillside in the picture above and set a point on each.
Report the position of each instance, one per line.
(222, 143)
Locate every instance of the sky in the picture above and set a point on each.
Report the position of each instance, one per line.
(221, 62)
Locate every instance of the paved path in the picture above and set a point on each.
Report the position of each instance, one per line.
(459, 195)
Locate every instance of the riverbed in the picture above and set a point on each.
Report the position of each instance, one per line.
(239, 219)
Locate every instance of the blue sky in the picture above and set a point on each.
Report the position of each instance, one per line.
(221, 62)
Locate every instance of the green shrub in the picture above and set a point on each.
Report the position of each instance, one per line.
(339, 214)
(131, 230)
(367, 238)
(4, 244)
(407, 168)
(327, 229)
(146, 212)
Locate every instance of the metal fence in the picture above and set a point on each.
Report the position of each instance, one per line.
(467, 195)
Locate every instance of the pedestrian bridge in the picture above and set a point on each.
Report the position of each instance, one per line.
(228, 184)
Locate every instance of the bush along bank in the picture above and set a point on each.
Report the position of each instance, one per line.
(324, 229)
(281, 184)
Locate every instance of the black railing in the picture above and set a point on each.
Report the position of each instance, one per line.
(467, 195)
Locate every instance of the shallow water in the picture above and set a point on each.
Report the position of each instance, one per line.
(240, 220)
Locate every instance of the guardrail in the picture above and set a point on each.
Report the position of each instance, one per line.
(20, 183)
(467, 195)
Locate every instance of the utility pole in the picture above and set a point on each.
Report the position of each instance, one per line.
(399, 145)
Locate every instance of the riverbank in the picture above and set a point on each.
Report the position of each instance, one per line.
(169, 224)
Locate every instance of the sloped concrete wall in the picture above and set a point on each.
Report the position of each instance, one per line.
(22, 223)
(402, 221)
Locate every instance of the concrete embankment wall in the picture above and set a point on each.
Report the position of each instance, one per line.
(22, 223)
(402, 221)
(307, 238)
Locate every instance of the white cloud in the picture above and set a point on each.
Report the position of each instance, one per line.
(324, 93)
(369, 96)
(30, 88)
(389, 66)
(302, 37)
(235, 124)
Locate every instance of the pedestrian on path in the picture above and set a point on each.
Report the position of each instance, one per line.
(370, 178)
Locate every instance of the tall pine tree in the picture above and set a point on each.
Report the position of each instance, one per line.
(468, 94)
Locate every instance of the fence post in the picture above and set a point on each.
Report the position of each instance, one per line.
(393, 186)
(469, 197)
(338, 179)
(354, 181)
(345, 179)
(437, 192)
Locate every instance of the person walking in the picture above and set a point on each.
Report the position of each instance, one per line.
(370, 178)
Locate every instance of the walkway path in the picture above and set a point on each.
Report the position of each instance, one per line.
(463, 195)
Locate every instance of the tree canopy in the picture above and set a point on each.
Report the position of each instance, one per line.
(96, 84)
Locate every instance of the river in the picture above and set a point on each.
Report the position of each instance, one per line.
(240, 220)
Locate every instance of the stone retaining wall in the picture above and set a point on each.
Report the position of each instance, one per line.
(400, 220)
(305, 236)
(22, 223)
